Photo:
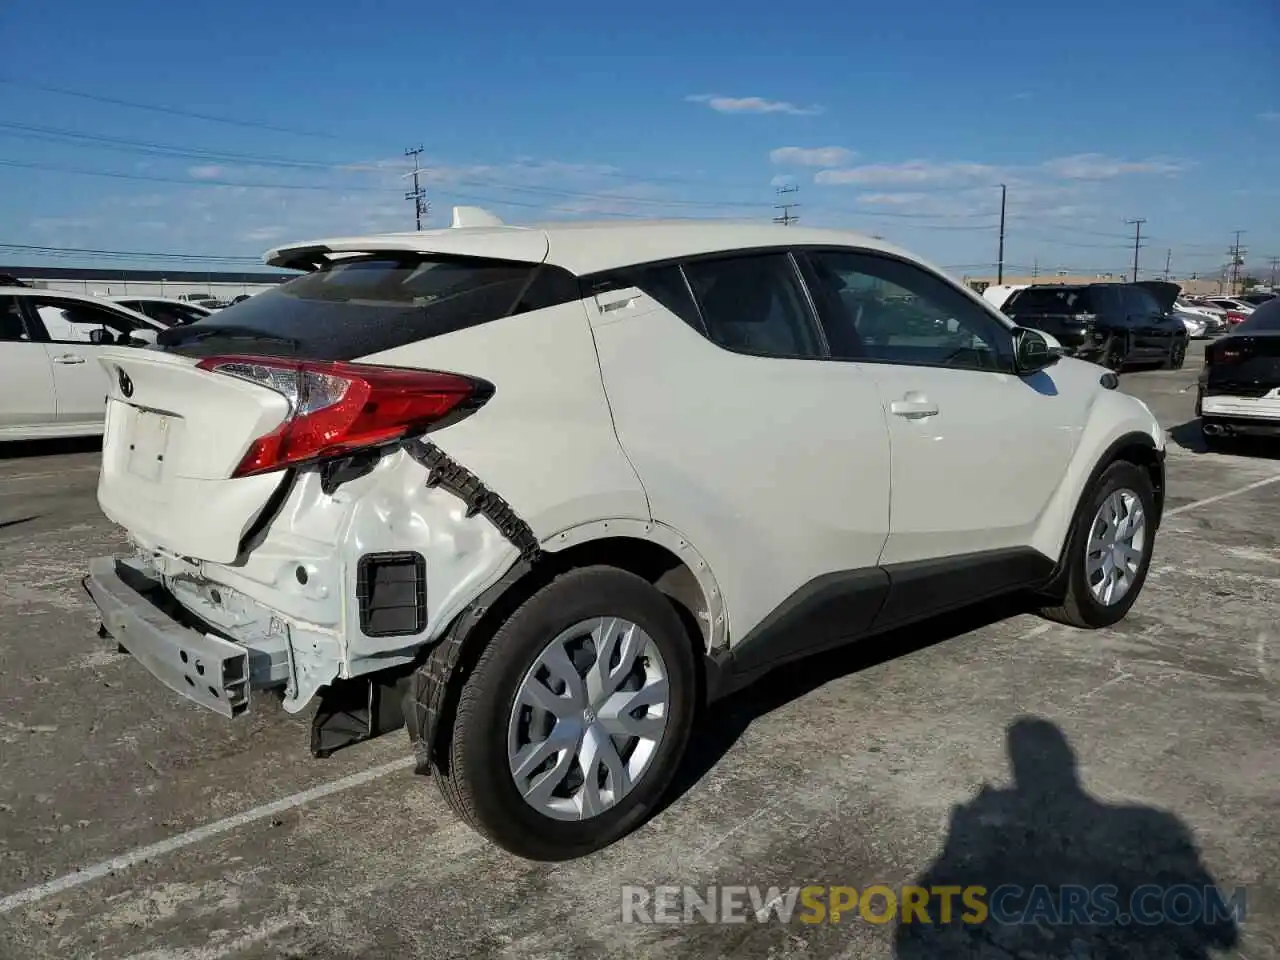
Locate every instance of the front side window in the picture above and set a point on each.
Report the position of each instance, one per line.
(754, 304)
(69, 322)
(882, 309)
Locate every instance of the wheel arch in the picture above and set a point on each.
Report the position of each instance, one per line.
(1133, 446)
(650, 550)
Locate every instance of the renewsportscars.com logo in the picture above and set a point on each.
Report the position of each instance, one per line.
(1101, 905)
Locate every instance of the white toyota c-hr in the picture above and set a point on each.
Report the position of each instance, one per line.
(539, 493)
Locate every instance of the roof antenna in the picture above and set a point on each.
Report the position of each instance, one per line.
(474, 217)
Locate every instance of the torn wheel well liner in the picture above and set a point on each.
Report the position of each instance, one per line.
(436, 684)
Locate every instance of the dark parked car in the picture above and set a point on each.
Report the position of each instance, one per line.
(1239, 389)
(1257, 299)
(1113, 324)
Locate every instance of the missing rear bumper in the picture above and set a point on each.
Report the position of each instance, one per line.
(206, 669)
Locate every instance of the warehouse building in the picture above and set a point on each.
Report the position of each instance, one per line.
(113, 282)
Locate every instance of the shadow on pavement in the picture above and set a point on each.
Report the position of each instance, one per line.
(1080, 878)
(728, 719)
(1188, 436)
(22, 449)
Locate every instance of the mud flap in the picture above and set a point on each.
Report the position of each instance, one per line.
(352, 711)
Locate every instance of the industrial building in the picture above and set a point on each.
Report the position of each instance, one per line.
(118, 282)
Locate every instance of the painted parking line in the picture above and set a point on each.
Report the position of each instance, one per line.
(1221, 496)
(131, 859)
(142, 854)
(9, 478)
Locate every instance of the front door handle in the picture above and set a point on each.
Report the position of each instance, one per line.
(914, 407)
(68, 358)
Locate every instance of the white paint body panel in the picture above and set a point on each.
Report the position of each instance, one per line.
(763, 474)
(28, 404)
(169, 450)
(776, 470)
(976, 475)
(56, 389)
(1261, 408)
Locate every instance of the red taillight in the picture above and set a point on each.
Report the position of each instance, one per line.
(337, 408)
(1233, 317)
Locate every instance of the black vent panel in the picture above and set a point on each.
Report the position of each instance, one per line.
(391, 589)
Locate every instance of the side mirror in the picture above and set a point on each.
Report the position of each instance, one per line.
(142, 336)
(1033, 352)
(100, 336)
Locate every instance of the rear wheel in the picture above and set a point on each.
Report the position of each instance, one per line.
(571, 725)
(1115, 353)
(1109, 549)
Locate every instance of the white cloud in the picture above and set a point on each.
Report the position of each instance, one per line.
(782, 180)
(262, 234)
(723, 104)
(1098, 166)
(909, 172)
(891, 199)
(208, 171)
(811, 156)
(1270, 116)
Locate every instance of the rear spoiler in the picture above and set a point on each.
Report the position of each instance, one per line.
(488, 238)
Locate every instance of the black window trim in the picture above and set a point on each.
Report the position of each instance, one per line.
(32, 308)
(604, 280)
(999, 322)
(811, 316)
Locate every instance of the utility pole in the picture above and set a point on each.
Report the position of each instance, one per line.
(785, 218)
(418, 195)
(1275, 262)
(1237, 260)
(1035, 269)
(1000, 255)
(1137, 243)
(1168, 259)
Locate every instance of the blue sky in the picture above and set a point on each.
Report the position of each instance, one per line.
(894, 119)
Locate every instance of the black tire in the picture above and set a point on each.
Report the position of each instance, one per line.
(1116, 353)
(1177, 355)
(477, 782)
(1078, 607)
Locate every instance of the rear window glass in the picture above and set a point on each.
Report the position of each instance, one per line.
(1265, 319)
(357, 307)
(1068, 300)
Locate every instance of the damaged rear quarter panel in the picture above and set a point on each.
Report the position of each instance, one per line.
(545, 441)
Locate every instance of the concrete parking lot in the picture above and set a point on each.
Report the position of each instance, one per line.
(133, 824)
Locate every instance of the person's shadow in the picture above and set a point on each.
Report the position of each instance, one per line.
(1065, 874)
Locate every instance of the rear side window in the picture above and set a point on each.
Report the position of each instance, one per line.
(755, 304)
(664, 282)
(1059, 300)
(361, 306)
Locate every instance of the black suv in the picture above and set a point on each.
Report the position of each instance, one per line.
(1113, 324)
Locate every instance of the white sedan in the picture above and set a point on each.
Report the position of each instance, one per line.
(51, 383)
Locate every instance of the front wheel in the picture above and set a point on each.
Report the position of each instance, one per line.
(1115, 353)
(1177, 355)
(571, 724)
(1109, 549)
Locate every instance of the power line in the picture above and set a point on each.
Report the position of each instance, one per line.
(127, 254)
(170, 111)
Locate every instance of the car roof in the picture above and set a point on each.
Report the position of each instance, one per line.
(586, 247)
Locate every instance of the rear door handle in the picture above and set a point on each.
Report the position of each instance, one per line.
(68, 358)
(914, 408)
